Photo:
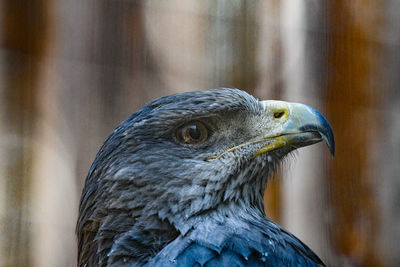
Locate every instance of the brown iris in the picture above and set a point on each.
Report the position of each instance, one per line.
(194, 132)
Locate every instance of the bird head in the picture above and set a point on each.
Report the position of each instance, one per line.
(186, 155)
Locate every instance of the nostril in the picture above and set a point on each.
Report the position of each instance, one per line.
(279, 114)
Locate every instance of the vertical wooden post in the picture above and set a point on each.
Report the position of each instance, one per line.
(23, 42)
(351, 100)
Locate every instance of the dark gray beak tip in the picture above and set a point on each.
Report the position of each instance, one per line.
(330, 141)
(326, 132)
(324, 129)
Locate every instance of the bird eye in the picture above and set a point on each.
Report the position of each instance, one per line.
(193, 132)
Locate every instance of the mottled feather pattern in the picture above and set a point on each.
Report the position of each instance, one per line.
(149, 200)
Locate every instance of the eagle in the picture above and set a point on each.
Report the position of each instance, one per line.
(181, 182)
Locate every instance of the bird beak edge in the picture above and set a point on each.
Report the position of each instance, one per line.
(301, 126)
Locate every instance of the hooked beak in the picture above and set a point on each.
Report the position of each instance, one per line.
(290, 125)
(299, 125)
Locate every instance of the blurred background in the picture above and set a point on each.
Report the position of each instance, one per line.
(72, 70)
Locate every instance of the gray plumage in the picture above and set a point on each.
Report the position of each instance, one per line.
(152, 200)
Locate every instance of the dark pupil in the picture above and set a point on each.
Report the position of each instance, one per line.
(194, 132)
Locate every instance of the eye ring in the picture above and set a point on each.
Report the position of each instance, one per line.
(192, 133)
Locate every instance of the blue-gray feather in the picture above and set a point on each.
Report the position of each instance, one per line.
(149, 200)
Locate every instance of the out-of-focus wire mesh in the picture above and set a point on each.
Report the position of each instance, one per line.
(70, 71)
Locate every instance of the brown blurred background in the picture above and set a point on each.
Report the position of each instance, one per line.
(71, 70)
